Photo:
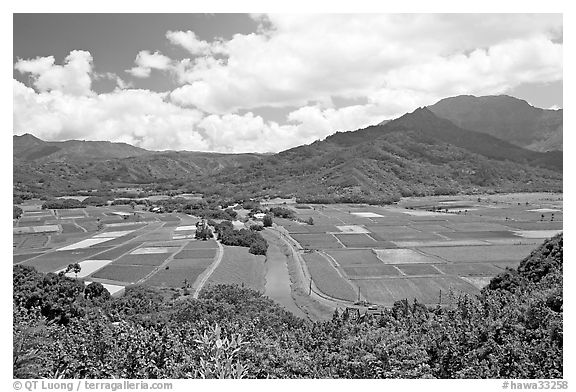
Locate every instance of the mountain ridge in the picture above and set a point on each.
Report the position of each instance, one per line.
(418, 153)
(505, 117)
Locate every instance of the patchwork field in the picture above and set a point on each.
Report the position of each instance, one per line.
(240, 267)
(388, 252)
(422, 245)
(424, 289)
(327, 279)
(480, 253)
(124, 273)
(354, 257)
(175, 277)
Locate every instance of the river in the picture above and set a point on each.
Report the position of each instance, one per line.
(277, 277)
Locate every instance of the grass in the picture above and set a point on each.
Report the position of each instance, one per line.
(480, 235)
(195, 244)
(535, 225)
(185, 263)
(71, 212)
(404, 256)
(311, 229)
(168, 218)
(477, 281)
(23, 257)
(354, 257)
(327, 279)
(356, 240)
(196, 254)
(432, 228)
(117, 252)
(416, 236)
(31, 241)
(481, 253)
(53, 261)
(145, 259)
(469, 269)
(476, 226)
(70, 228)
(425, 290)
(371, 271)
(125, 227)
(317, 241)
(418, 269)
(123, 273)
(240, 267)
(174, 277)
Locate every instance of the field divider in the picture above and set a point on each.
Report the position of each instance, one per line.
(87, 257)
(209, 271)
(163, 265)
(315, 292)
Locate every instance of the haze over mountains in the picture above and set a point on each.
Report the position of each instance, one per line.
(418, 153)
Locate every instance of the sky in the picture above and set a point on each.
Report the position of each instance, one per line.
(265, 82)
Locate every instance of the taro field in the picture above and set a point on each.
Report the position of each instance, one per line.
(115, 246)
(420, 248)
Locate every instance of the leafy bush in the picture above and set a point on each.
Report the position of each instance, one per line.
(17, 212)
(58, 204)
(246, 238)
(267, 221)
(234, 332)
(97, 201)
(282, 212)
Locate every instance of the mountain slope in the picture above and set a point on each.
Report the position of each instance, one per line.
(29, 148)
(416, 154)
(506, 118)
(55, 167)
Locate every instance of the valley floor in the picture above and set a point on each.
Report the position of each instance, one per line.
(428, 249)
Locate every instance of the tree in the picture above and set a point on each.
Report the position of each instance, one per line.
(74, 267)
(96, 290)
(17, 212)
(267, 220)
(310, 221)
(203, 233)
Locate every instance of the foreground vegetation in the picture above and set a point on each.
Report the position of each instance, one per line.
(513, 329)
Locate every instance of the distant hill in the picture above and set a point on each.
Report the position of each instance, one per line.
(55, 167)
(419, 153)
(416, 154)
(29, 148)
(506, 118)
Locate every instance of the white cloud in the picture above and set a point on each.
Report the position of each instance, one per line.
(390, 64)
(71, 78)
(146, 62)
(189, 41)
(139, 117)
(300, 60)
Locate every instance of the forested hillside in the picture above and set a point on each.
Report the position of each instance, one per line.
(506, 118)
(513, 329)
(417, 154)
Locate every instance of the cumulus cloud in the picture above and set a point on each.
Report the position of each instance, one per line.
(146, 62)
(386, 65)
(189, 41)
(71, 78)
(139, 117)
(300, 60)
